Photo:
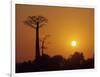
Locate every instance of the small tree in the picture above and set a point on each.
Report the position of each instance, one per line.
(36, 22)
(43, 40)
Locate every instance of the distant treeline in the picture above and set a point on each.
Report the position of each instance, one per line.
(47, 63)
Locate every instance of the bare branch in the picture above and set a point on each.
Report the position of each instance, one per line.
(33, 19)
(29, 24)
(41, 25)
(42, 20)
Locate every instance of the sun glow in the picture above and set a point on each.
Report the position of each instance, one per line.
(73, 43)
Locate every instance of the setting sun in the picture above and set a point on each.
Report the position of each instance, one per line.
(73, 43)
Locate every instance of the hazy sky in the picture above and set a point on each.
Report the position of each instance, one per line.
(65, 24)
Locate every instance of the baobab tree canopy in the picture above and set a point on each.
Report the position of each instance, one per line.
(33, 20)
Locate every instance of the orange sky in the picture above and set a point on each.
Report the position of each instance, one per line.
(65, 24)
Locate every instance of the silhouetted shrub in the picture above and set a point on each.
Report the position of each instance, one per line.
(57, 62)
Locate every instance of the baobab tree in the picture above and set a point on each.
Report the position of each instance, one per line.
(36, 22)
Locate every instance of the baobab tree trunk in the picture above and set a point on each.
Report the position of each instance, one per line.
(37, 43)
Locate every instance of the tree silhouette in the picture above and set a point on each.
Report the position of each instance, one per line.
(76, 60)
(43, 40)
(36, 22)
(77, 57)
